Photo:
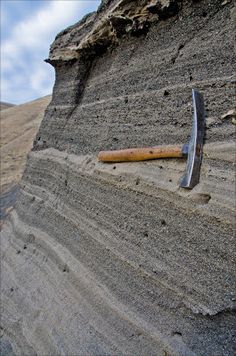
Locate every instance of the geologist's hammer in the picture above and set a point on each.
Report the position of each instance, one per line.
(193, 150)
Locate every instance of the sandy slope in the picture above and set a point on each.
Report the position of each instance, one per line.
(19, 125)
(4, 106)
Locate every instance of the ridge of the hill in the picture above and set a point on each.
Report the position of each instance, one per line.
(4, 106)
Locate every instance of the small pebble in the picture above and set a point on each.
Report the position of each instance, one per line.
(229, 114)
(225, 2)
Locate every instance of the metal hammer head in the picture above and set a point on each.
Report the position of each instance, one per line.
(195, 145)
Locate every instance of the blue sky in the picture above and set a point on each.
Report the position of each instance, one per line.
(28, 27)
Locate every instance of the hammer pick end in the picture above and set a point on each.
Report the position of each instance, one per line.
(195, 146)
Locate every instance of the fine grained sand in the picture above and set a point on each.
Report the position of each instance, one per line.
(116, 259)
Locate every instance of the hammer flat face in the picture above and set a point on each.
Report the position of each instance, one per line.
(195, 146)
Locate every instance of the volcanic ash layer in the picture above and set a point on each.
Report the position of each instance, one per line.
(116, 259)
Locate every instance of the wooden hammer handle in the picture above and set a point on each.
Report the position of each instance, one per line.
(141, 154)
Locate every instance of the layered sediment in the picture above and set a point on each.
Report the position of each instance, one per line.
(117, 259)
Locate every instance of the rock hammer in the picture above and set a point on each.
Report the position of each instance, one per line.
(192, 150)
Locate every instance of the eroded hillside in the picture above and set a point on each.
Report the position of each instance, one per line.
(19, 125)
(116, 259)
(4, 106)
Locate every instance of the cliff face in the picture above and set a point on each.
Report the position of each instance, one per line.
(117, 259)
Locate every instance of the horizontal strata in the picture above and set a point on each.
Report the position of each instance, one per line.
(139, 94)
(116, 259)
(151, 271)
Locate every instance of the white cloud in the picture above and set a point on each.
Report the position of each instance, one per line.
(31, 38)
(35, 32)
(38, 80)
(37, 28)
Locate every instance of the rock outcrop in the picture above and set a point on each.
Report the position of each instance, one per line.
(116, 259)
